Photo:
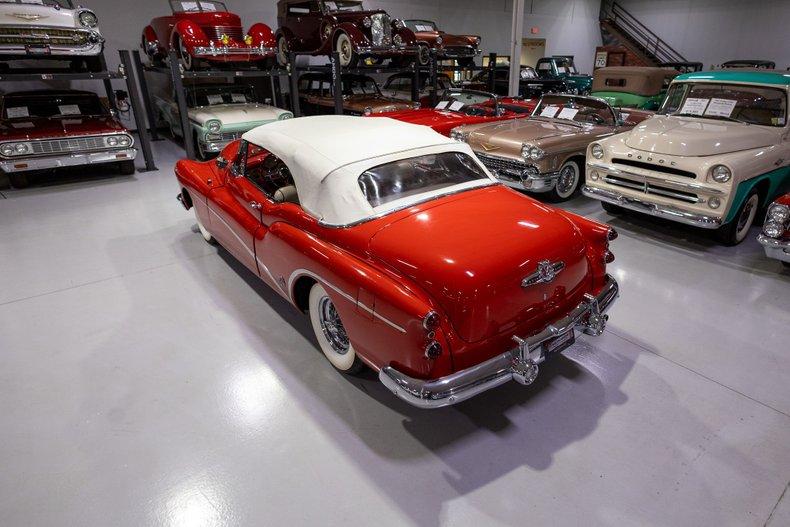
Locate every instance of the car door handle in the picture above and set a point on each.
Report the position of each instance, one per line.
(255, 205)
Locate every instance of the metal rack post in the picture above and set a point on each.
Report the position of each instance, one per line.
(337, 82)
(146, 95)
(137, 108)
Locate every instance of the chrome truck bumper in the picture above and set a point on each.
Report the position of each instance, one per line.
(777, 249)
(654, 209)
(68, 160)
(519, 364)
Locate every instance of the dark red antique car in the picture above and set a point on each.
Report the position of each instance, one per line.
(321, 27)
(405, 252)
(204, 31)
(46, 129)
(775, 237)
(462, 48)
(361, 95)
(458, 107)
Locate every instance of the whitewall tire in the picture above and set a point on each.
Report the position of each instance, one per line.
(345, 48)
(568, 183)
(203, 230)
(330, 332)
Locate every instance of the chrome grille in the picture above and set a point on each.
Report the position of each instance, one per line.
(654, 167)
(60, 146)
(650, 188)
(43, 36)
(381, 29)
(216, 32)
(506, 168)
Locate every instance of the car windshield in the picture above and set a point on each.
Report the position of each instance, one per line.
(584, 110)
(197, 6)
(360, 86)
(418, 175)
(468, 102)
(214, 95)
(59, 3)
(343, 5)
(52, 106)
(759, 105)
(529, 73)
(420, 25)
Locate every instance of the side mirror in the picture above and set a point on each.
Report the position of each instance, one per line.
(222, 163)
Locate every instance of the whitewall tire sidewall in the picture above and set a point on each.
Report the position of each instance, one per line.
(342, 362)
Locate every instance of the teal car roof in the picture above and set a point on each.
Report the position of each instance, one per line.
(757, 77)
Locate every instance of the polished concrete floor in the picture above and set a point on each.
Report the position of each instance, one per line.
(148, 379)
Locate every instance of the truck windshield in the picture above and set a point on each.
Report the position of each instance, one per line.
(744, 103)
(418, 175)
(52, 106)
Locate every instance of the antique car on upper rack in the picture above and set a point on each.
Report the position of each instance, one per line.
(530, 85)
(461, 48)
(775, 237)
(545, 153)
(47, 129)
(458, 106)
(361, 95)
(562, 67)
(716, 152)
(405, 252)
(632, 86)
(749, 63)
(398, 86)
(218, 114)
(203, 31)
(50, 29)
(321, 27)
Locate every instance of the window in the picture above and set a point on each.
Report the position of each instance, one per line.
(418, 175)
(197, 6)
(760, 105)
(302, 8)
(577, 109)
(52, 105)
(265, 170)
(343, 5)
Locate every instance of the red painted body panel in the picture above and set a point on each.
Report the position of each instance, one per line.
(443, 121)
(437, 255)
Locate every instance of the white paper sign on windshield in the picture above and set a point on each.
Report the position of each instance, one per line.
(214, 98)
(457, 105)
(69, 109)
(695, 106)
(238, 97)
(17, 112)
(549, 111)
(568, 113)
(190, 6)
(442, 105)
(721, 107)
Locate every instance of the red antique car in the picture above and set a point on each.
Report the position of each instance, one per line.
(458, 107)
(775, 237)
(463, 48)
(405, 252)
(46, 129)
(204, 31)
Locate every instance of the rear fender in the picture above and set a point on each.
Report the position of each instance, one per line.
(597, 236)
(262, 34)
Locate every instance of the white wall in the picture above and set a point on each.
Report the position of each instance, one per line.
(714, 31)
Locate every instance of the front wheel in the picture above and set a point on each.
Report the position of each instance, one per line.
(424, 55)
(345, 48)
(331, 333)
(569, 182)
(736, 231)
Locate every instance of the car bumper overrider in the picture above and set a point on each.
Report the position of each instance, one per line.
(518, 174)
(519, 364)
(777, 249)
(67, 160)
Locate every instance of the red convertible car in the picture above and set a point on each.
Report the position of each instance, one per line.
(459, 107)
(775, 237)
(204, 31)
(406, 253)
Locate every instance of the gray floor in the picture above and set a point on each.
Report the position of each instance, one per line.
(146, 378)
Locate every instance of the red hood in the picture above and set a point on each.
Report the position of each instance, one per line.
(472, 251)
(26, 129)
(440, 120)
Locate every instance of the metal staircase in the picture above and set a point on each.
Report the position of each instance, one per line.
(618, 26)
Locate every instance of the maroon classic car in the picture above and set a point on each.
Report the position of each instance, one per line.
(204, 31)
(321, 27)
(361, 96)
(48, 129)
(463, 48)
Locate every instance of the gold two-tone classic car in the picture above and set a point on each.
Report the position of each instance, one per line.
(545, 153)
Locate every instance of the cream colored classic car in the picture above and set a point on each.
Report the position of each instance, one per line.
(717, 151)
(545, 153)
(49, 29)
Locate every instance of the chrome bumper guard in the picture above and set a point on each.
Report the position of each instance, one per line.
(654, 209)
(777, 249)
(519, 364)
(69, 160)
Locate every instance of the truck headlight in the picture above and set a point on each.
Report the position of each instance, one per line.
(88, 19)
(714, 203)
(596, 150)
(779, 213)
(214, 126)
(720, 174)
(531, 152)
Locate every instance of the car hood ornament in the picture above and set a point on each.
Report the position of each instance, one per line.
(546, 273)
(30, 17)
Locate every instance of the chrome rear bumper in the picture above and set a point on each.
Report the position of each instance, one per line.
(777, 249)
(519, 364)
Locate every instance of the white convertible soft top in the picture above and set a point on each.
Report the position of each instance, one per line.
(327, 154)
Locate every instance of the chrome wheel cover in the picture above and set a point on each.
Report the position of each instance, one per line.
(282, 50)
(568, 181)
(746, 218)
(345, 51)
(332, 326)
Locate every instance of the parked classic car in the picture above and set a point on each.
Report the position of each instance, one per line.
(545, 153)
(458, 107)
(50, 29)
(775, 237)
(530, 85)
(561, 67)
(361, 95)
(462, 48)
(321, 27)
(373, 227)
(750, 63)
(219, 114)
(717, 150)
(204, 31)
(47, 129)
(398, 86)
(632, 86)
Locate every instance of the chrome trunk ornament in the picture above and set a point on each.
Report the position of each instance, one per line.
(546, 273)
